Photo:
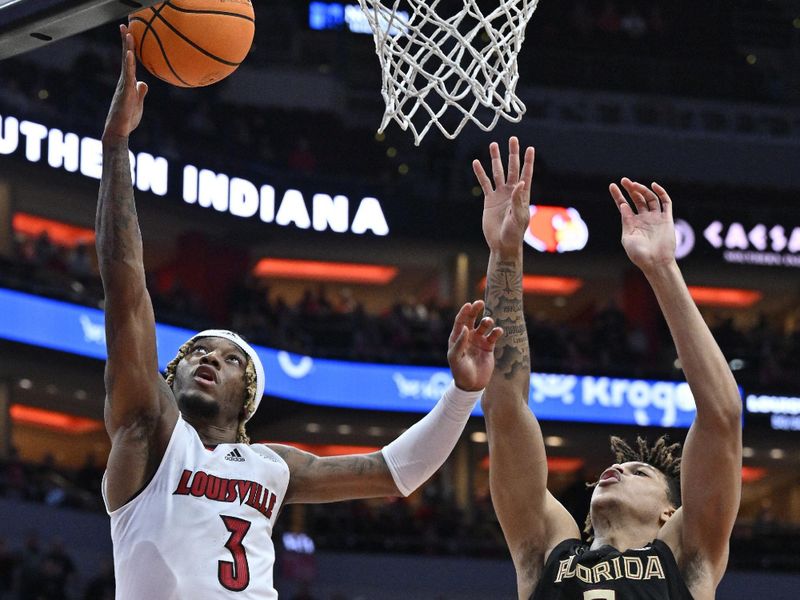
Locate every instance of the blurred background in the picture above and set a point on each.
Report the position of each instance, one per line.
(269, 205)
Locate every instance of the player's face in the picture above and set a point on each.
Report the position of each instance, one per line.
(633, 487)
(210, 380)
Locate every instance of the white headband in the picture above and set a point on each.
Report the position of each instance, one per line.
(247, 349)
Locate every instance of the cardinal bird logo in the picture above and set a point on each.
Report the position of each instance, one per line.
(556, 229)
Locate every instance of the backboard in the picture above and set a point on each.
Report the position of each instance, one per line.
(29, 24)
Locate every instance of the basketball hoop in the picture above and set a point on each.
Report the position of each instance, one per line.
(439, 66)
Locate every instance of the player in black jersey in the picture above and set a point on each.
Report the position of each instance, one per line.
(660, 527)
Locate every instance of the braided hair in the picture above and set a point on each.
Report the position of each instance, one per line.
(250, 387)
(662, 455)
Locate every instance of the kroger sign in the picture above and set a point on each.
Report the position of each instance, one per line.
(36, 321)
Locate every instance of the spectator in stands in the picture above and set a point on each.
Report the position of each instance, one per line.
(80, 264)
(101, 587)
(608, 21)
(61, 567)
(633, 24)
(14, 476)
(30, 568)
(8, 564)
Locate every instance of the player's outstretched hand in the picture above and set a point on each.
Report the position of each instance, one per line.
(506, 211)
(471, 347)
(648, 234)
(128, 102)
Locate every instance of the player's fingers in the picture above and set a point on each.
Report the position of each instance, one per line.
(461, 320)
(123, 34)
(663, 196)
(527, 168)
(520, 196)
(485, 326)
(460, 341)
(494, 335)
(649, 197)
(141, 90)
(620, 200)
(635, 195)
(497, 165)
(483, 179)
(513, 160)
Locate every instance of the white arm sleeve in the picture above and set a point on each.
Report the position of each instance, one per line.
(421, 449)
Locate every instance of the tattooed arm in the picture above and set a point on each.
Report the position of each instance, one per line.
(140, 410)
(406, 463)
(533, 521)
(318, 479)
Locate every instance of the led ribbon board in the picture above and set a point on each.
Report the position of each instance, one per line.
(37, 321)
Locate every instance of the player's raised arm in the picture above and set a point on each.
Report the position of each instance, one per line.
(533, 521)
(411, 459)
(139, 406)
(712, 455)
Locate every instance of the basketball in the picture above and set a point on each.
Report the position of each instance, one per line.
(193, 43)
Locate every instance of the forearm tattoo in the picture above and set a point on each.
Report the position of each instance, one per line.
(117, 224)
(305, 465)
(504, 305)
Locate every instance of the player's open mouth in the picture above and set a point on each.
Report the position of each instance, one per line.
(205, 375)
(609, 476)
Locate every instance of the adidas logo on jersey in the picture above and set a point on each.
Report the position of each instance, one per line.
(234, 455)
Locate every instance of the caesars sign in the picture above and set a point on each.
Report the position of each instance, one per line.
(763, 244)
(200, 187)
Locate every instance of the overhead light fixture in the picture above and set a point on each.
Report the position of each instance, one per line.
(563, 464)
(752, 474)
(325, 271)
(548, 285)
(59, 233)
(555, 464)
(50, 419)
(724, 297)
(328, 449)
(479, 437)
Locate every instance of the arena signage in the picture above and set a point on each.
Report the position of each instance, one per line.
(760, 244)
(199, 187)
(80, 330)
(556, 229)
(783, 411)
(763, 244)
(335, 15)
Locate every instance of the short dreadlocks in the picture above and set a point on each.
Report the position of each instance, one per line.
(250, 387)
(662, 455)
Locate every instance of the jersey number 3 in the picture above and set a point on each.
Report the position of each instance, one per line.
(600, 595)
(235, 575)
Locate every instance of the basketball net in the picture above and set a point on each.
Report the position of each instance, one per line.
(448, 70)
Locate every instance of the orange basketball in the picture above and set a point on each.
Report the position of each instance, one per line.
(192, 43)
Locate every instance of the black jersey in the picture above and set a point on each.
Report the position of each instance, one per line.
(574, 572)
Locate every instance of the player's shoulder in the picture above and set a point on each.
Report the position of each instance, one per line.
(267, 452)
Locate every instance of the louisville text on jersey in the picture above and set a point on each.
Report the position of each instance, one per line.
(221, 489)
(619, 567)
